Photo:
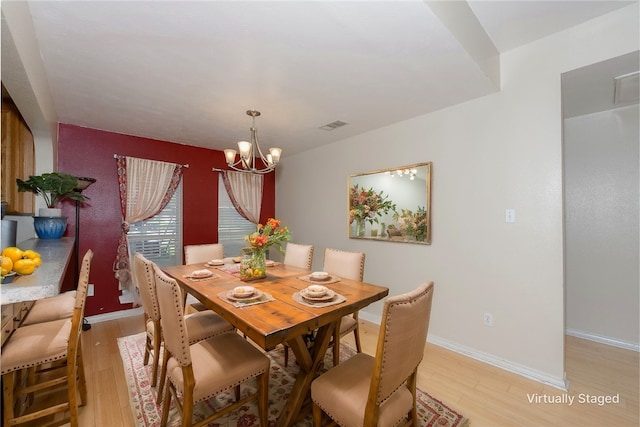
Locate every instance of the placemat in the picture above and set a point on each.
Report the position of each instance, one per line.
(339, 299)
(332, 279)
(230, 268)
(200, 279)
(265, 297)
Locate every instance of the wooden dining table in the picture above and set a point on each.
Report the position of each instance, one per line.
(283, 319)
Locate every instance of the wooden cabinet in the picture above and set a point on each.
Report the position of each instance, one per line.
(18, 159)
(7, 321)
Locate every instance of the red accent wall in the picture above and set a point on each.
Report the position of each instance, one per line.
(89, 153)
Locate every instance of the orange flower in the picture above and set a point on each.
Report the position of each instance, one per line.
(268, 235)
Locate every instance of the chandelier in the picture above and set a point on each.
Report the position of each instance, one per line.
(411, 173)
(251, 157)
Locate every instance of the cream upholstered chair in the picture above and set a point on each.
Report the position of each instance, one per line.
(349, 265)
(298, 255)
(194, 254)
(201, 325)
(50, 355)
(301, 256)
(380, 391)
(202, 370)
(53, 308)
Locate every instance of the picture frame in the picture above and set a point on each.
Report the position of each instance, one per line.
(391, 205)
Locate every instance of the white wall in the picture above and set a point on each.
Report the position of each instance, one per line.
(500, 151)
(601, 201)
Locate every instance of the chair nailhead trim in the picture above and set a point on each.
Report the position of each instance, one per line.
(36, 363)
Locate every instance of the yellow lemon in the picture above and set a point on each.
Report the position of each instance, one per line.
(24, 267)
(30, 254)
(6, 265)
(257, 272)
(14, 253)
(37, 261)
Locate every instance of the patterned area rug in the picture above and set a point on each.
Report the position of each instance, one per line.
(146, 413)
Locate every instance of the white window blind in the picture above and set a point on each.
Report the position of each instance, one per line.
(159, 238)
(232, 227)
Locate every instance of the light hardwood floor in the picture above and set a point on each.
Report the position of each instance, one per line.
(488, 396)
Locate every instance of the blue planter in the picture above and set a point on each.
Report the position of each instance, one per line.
(50, 227)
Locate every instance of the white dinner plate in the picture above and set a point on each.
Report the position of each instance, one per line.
(200, 274)
(326, 297)
(318, 279)
(256, 295)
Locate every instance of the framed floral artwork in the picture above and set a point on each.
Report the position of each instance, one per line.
(391, 205)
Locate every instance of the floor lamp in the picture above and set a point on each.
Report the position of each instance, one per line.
(83, 183)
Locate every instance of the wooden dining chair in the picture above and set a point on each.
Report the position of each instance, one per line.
(380, 391)
(201, 325)
(298, 255)
(301, 256)
(348, 265)
(52, 308)
(202, 370)
(194, 254)
(48, 355)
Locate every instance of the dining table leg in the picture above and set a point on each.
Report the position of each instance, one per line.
(310, 362)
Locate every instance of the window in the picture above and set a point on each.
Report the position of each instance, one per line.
(232, 227)
(159, 238)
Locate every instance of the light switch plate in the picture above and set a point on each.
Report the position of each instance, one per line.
(510, 215)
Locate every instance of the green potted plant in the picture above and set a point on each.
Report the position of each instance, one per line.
(53, 187)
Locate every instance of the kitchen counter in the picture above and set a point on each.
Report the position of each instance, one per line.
(46, 280)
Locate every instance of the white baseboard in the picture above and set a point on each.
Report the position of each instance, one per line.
(115, 315)
(560, 383)
(604, 340)
(532, 374)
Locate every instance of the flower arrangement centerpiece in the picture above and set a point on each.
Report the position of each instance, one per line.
(270, 234)
(367, 205)
(413, 224)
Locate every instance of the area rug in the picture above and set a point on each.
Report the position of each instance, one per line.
(147, 413)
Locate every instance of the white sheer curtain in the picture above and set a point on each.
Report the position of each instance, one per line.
(146, 187)
(245, 192)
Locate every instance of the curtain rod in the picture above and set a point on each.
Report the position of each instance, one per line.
(115, 156)
(229, 170)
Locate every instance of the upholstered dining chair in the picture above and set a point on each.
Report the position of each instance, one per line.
(349, 265)
(298, 255)
(194, 254)
(52, 308)
(200, 325)
(380, 391)
(202, 370)
(49, 354)
(301, 256)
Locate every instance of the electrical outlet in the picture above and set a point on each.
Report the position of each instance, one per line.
(90, 290)
(488, 319)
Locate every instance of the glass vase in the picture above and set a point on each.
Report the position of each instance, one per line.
(360, 224)
(253, 265)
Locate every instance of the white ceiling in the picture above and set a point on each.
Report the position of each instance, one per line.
(187, 71)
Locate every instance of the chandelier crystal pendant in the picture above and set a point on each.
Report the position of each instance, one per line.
(251, 157)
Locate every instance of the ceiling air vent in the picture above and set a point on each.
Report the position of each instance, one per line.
(333, 125)
(626, 89)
